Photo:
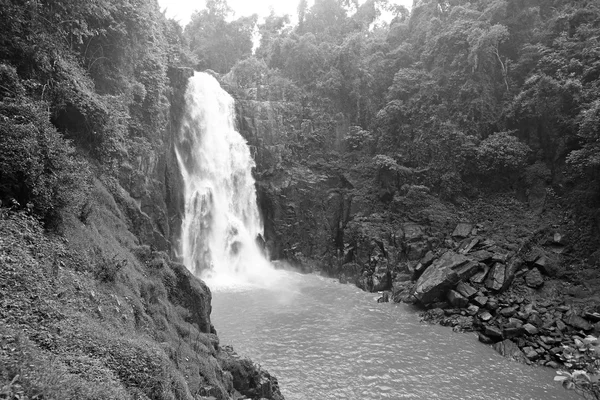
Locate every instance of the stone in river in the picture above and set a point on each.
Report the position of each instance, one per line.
(492, 331)
(509, 349)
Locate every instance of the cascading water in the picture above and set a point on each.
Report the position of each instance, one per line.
(222, 222)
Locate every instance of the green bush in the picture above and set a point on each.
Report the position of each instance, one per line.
(501, 153)
(38, 167)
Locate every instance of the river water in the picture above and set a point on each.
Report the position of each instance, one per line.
(325, 340)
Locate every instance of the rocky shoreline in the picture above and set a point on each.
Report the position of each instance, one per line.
(514, 301)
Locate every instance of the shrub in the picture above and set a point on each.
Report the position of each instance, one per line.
(357, 138)
(37, 165)
(501, 153)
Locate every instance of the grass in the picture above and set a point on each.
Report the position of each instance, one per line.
(88, 315)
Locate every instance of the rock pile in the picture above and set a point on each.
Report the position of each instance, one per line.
(466, 288)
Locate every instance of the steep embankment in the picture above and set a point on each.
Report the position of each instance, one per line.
(94, 314)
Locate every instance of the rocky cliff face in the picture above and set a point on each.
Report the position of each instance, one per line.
(152, 182)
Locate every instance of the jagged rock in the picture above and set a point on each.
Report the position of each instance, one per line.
(560, 325)
(415, 250)
(514, 323)
(248, 378)
(479, 277)
(547, 265)
(530, 353)
(512, 332)
(495, 278)
(402, 277)
(535, 320)
(530, 329)
(594, 317)
(412, 232)
(466, 290)
(385, 297)
(511, 270)
(441, 276)
(534, 278)
(481, 301)
(401, 292)
(492, 304)
(485, 339)
(578, 323)
(425, 262)
(509, 349)
(462, 230)
(481, 255)
(193, 294)
(457, 300)
(467, 245)
(381, 279)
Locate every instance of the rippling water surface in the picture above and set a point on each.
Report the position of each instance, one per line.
(325, 340)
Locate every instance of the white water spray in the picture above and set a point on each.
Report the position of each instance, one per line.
(221, 223)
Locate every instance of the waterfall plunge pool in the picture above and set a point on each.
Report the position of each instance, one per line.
(325, 340)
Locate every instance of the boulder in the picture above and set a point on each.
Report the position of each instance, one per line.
(442, 275)
(495, 278)
(534, 278)
(492, 331)
(509, 349)
(457, 300)
(462, 230)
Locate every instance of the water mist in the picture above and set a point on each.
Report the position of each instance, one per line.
(221, 222)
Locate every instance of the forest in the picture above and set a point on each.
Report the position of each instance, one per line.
(452, 111)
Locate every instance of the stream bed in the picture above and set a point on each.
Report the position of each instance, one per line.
(325, 340)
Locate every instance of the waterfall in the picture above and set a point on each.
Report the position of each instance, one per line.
(222, 223)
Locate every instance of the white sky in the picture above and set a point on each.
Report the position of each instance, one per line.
(181, 10)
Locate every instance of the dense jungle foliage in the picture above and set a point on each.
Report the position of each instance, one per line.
(483, 94)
